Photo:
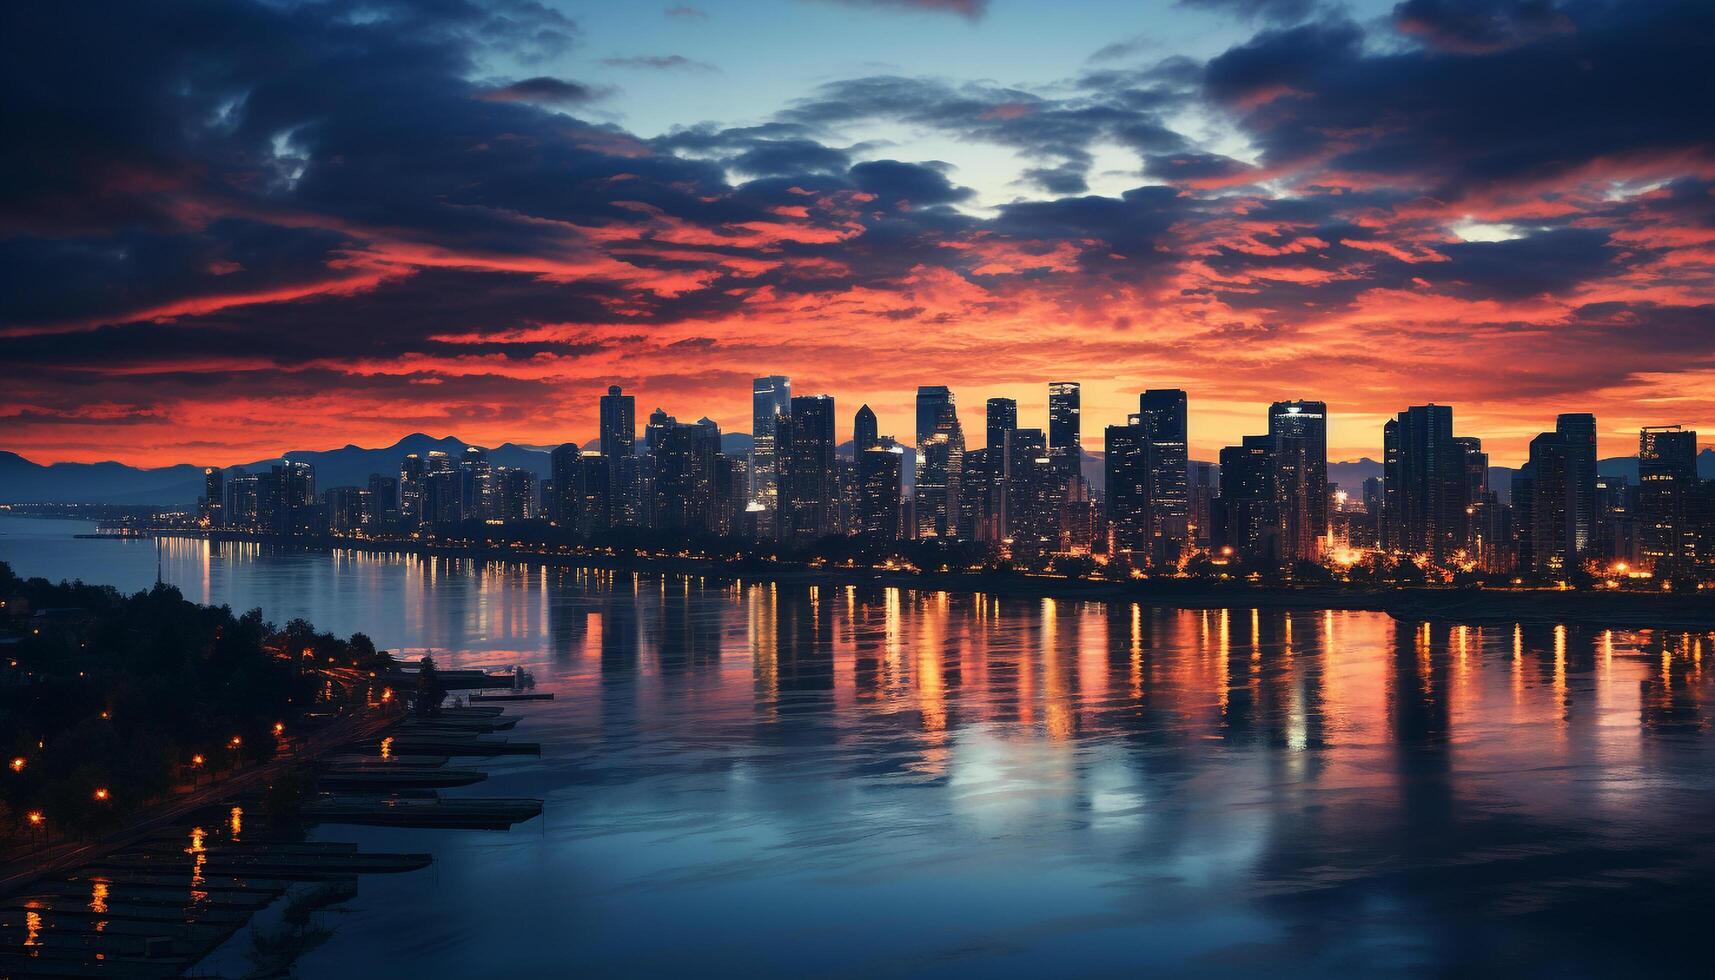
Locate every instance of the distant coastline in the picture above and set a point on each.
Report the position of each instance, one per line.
(1600, 609)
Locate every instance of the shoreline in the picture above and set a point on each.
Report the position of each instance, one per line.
(1601, 609)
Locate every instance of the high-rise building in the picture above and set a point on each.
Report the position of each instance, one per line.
(1033, 493)
(879, 471)
(412, 469)
(1577, 430)
(243, 500)
(476, 484)
(1247, 521)
(1424, 487)
(287, 499)
(685, 474)
(942, 459)
(1667, 481)
(563, 503)
(1553, 475)
(866, 433)
(1298, 431)
(1127, 475)
(344, 509)
(213, 501)
(593, 501)
(1162, 413)
(514, 496)
(382, 507)
(770, 399)
(618, 437)
(932, 400)
(1065, 426)
(806, 452)
(1000, 416)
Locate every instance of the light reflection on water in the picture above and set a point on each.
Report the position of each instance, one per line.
(745, 778)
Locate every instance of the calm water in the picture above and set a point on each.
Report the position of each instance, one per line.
(759, 781)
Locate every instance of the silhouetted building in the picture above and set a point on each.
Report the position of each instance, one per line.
(1162, 413)
(866, 432)
(1065, 427)
(1247, 521)
(1000, 416)
(514, 497)
(1033, 493)
(942, 457)
(808, 483)
(618, 443)
(1667, 480)
(1298, 433)
(212, 504)
(1424, 487)
(381, 509)
(770, 399)
(1127, 475)
(879, 472)
(344, 509)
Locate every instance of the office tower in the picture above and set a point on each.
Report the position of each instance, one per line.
(656, 429)
(866, 434)
(932, 401)
(514, 495)
(1065, 428)
(1578, 431)
(1203, 491)
(564, 506)
(805, 451)
(1477, 532)
(770, 399)
(1247, 514)
(344, 509)
(213, 502)
(1553, 475)
(618, 424)
(1667, 481)
(412, 469)
(942, 458)
(287, 499)
(1032, 495)
(382, 509)
(976, 485)
(443, 497)
(1162, 413)
(1000, 416)
(685, 467)
(1423, 483)
(1127, 475)
(1077, 517)
(243, 500)
(1299, 434)
(476, 484)
(619, 443)
(879, 473)
(732, 493)
(592, 500)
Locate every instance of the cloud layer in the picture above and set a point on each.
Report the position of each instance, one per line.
(228, 229)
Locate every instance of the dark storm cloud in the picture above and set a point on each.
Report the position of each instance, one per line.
(793, 156)
(1480, 25)
(546, 90)
(1628, 86)
(1275, 11)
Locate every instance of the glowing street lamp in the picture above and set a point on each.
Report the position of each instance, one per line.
(18, 763)
(101, 794)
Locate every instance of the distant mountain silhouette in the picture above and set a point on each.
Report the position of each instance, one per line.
(23, 481)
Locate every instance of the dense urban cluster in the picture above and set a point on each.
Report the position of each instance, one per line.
(1266, 511)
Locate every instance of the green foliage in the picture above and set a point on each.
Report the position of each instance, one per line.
(118, 692)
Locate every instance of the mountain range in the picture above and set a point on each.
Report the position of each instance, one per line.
(23, 481)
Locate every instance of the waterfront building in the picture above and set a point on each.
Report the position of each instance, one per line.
(805, 448)
(1667, 482)
(1298, 434)
(1127, 475)
(1162, 413)
(770, 399)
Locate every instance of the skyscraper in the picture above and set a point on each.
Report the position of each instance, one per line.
(879, 469)
(866, 433)
(942, 459)
(1299, 434)
(1667, 478)
(1162, 413)
(1578, 431)
(1554, 469)
(1065, 426)
(1423, 480)
(1000, 416)
(931, 400)
(1032, 495)
(807, 471)
(382, 508)
(1126, 469)
(213, 502)
(1247, 513)
(770, 399)
(618, 448)
(563, 502)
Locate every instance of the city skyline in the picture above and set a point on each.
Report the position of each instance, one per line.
(463, 218)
